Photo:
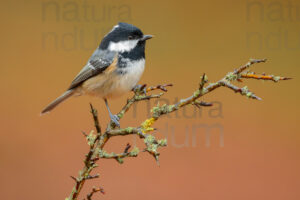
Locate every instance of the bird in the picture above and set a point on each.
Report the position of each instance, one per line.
(114, 68)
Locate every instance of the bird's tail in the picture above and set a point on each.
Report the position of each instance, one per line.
(57, 101)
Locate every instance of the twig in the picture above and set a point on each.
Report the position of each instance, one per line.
(161, 87)
(92, 176)
(90, 159)
(140, 95)
(264, 77)
(201, 103)
(94, 190)
(248, 64)
(242, 91)
(96, 121)
(98, 141)
(128, 146)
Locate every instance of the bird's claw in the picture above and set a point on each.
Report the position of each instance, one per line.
(115, 119)
(140, 89)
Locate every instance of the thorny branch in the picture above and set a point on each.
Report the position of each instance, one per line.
(97, 141)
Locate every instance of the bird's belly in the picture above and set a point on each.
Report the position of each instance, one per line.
(114, 84)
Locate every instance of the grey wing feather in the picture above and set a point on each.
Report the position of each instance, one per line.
(98, 62)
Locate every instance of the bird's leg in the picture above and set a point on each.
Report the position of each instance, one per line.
(114, 118)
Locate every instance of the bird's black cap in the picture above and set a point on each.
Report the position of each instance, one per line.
(121, 32)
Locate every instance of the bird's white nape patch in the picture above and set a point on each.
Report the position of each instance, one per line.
(122, 46)
(114, 28)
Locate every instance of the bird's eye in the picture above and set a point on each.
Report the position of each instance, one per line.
(130, 37)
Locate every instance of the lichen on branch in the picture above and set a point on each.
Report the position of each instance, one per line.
(97, 141)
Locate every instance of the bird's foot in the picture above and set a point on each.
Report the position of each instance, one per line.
(140, 89)
(115, 119)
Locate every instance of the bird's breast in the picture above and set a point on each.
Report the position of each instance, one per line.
(117, 81)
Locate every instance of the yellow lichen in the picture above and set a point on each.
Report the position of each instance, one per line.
(146, 125)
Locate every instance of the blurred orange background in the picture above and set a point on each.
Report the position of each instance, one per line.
(44, 44)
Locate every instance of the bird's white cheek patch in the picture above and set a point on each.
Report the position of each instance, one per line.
(122, 46)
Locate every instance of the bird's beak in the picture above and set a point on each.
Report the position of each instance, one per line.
(146, 37)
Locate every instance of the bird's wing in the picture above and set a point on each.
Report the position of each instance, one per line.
(99, 61)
